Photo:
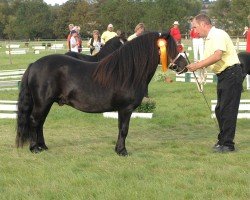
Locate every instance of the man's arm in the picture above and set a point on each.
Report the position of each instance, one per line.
(205, 63)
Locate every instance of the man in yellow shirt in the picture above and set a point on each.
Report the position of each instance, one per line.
(220, 55)
(108, 34)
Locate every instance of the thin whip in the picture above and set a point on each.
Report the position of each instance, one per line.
(201, 91)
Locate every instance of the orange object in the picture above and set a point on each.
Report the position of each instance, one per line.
(162, 44)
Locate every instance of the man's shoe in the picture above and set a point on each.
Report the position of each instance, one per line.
(222, 148)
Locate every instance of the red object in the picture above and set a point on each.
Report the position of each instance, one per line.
(175, 33)
(194, 34)
(180, 48)
(248, 41)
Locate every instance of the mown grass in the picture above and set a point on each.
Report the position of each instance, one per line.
(170, 156)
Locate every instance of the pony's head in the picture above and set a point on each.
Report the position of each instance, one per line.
(168, 49)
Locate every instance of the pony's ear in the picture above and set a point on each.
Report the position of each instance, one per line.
(164, 35)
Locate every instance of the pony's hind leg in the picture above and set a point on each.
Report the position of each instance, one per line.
(123, 125)
(38, 116)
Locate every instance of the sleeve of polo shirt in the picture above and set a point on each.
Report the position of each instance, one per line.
(220, 42)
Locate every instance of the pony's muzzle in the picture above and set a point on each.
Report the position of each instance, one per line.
(173, 67)
(177, 69)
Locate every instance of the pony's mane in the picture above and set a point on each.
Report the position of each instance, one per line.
(134, 63)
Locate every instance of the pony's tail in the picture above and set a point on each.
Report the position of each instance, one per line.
(25, 105)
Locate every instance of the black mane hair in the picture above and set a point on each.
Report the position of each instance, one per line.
(127, 66)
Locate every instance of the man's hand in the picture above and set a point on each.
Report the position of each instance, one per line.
(192, 67)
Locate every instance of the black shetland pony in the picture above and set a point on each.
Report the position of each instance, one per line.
(244, 58)
(117, 82)
(111, 45)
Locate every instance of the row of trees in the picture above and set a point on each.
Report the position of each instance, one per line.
(30, 19)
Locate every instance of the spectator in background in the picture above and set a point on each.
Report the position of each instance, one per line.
(79, 38)
(245, 32)
(198, 45)
(109, 33)
(121, 34)
(118, 32)
(71, 26)
(74, 41)
(95, 43)
(175, 32)
(139, 29)
(188, 28)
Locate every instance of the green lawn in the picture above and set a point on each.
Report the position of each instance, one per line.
(170, 156)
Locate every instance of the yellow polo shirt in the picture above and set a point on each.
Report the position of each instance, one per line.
(218, 39)
(107, 35)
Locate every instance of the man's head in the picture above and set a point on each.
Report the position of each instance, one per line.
(110, 27)
(202, 24)
(176, 24)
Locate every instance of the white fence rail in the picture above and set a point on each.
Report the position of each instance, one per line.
(240, 46)
(8, 109)
(10, 79)
(189, 77)
(248, 82)
(244, 109)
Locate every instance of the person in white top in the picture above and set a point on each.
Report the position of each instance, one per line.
(73, 41)
(95, 43)
(245, 32)
(139, 29)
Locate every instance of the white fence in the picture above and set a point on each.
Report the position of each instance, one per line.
(189, 77)
(210, 78)
(240, 46)
(10, 79)
(244, 109)
(8, 109)
(248, 82)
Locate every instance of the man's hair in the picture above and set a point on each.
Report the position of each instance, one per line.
(203, 18)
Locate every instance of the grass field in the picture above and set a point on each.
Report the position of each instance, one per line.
(170, 156)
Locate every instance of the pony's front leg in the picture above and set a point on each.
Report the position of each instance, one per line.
(123, 125)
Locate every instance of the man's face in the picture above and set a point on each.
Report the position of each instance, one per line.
(199, 27)
(110, 28)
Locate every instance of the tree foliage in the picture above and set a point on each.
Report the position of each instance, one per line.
(230, 15)
(29, 19)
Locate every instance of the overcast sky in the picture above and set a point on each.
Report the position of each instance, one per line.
(53, 2)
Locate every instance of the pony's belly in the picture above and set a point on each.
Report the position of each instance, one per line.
(92, 107)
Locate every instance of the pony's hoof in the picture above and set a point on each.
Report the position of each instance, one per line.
(43, 147)
(123, 152)
(36, 149)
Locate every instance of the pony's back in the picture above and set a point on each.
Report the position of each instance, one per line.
(108, 48)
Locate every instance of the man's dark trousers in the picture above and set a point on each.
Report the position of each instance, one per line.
(229, 88)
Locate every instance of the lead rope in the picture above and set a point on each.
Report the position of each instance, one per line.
(202, 79)
(201, 91)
